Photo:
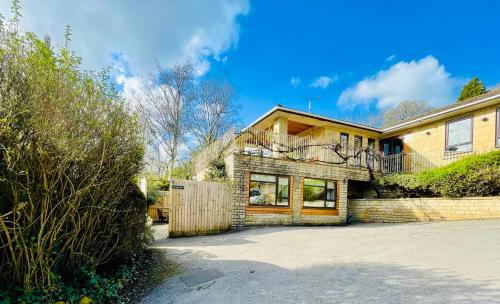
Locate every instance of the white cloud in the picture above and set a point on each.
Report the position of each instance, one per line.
(390, 58)
(323, 82)
(425, 79)
(169, 32)
(295, 81)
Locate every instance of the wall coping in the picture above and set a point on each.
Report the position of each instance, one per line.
(475, 198)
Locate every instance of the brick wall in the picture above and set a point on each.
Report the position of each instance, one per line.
(424, 209)
(294, 215)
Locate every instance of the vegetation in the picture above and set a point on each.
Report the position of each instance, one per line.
(69, 153)
(172, 105)
(406, 109)
(216, 171)
(477, 175)
(473, 88)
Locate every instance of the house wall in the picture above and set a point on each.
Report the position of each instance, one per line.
(424, 209)
(246, 215)
(433, 144)
(331, 133)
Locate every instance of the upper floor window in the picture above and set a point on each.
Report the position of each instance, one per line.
(497, 138)
(344, 141)
(269, 190)
(459, 135)
(371, 144)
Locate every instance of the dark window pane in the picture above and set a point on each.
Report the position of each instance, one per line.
(330, 194)
(371, 144)
(283, 190)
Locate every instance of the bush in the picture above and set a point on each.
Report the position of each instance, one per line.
(477, 175)
(69, 153)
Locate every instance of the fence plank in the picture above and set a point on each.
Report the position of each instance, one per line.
(199, 208)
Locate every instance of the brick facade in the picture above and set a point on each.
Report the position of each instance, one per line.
(245, 215)
(424, 209)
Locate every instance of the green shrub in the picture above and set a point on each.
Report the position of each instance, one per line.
(477, 175)
(69, 154)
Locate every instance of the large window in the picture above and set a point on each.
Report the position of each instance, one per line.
(459, 135)
(269, 190)
(319, 193)
(497, 138)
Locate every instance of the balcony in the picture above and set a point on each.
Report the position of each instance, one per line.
(284, 146)
(308, 149)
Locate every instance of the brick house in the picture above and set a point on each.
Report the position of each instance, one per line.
(295, 168)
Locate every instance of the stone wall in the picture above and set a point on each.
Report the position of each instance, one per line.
(424, 209)
(244, 215)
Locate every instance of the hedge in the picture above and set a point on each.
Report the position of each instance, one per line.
(477, 175)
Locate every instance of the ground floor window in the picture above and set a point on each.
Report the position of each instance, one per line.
(459, 135)
(269, 190)
(319, 193)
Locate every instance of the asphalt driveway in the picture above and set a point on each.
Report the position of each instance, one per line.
(441, 262)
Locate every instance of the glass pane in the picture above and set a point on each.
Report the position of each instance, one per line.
(358, 140)
(459, 132)
(330, 194)
(344, 140)
(371, 144)
(263, 178)
(262, 193)
(314, 182)
(282, 191)
(314, 196)
(330, 204)
(461, 148)
(386, 149)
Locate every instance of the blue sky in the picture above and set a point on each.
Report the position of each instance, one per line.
(359, 57)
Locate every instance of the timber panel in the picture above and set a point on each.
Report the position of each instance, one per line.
(199, 208)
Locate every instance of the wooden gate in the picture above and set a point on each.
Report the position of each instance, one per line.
(198, 208)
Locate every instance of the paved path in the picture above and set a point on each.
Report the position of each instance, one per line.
(446, 262)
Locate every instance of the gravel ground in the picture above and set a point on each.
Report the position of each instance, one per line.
(442, 262)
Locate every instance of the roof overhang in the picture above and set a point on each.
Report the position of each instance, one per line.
(278, 109)
(461, 109)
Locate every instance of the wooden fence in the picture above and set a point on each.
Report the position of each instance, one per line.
(161, 203)
(199, 208)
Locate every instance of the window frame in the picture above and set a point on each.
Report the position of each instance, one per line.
(497, 133)
(276, 189)
(447, 147)
(336, 183)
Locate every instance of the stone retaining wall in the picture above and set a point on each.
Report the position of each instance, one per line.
(424, 209)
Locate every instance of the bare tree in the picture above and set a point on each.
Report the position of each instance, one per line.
(164, 103)
(404, 110)
(214, 112)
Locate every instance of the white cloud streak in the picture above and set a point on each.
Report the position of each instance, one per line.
(147, 32)
(425, 79)
(294, 81)
(323, 82)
